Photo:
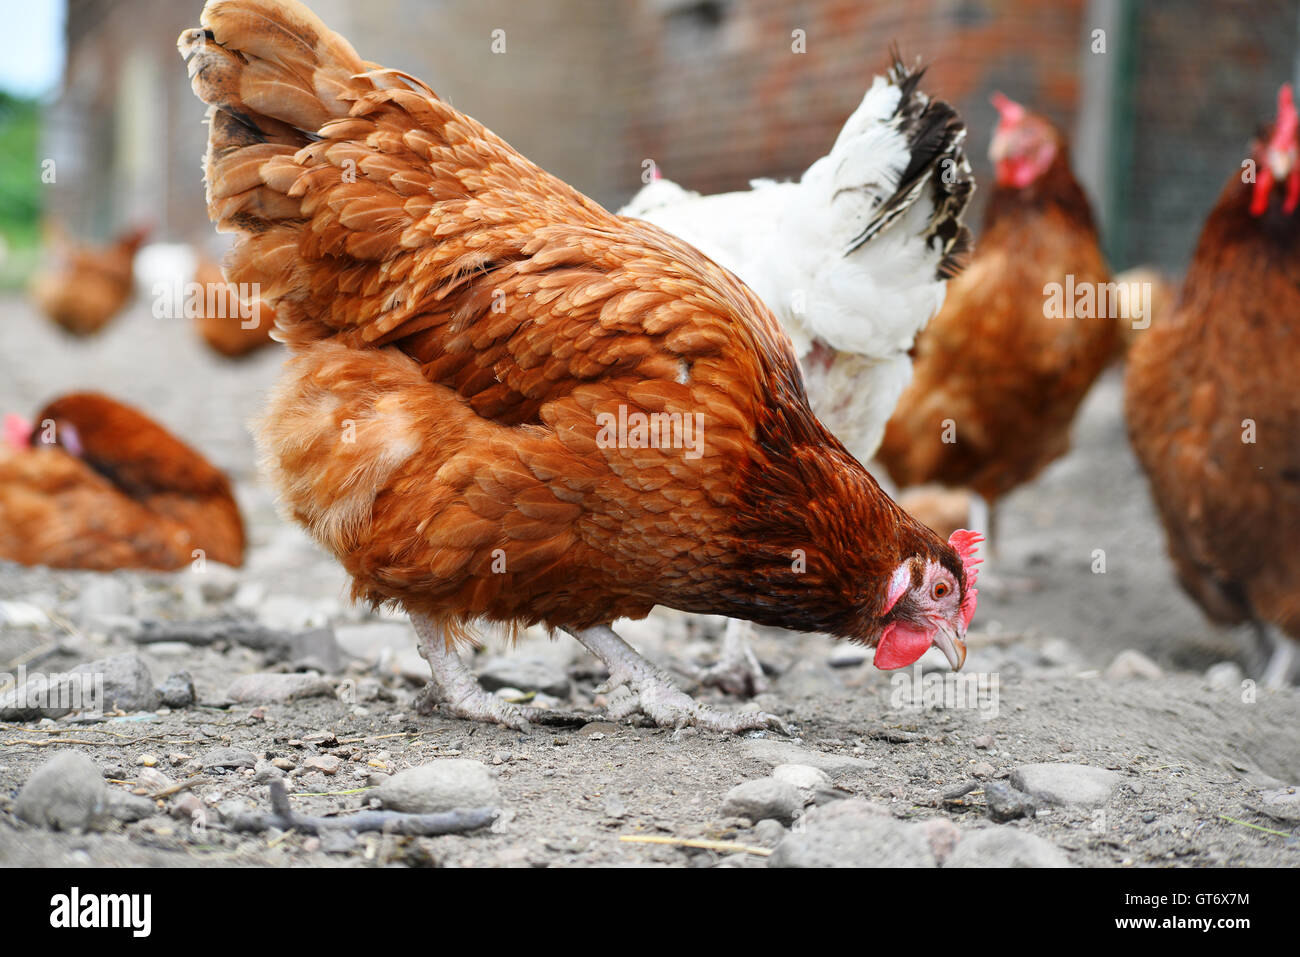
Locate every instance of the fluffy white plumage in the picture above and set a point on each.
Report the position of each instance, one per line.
(853, 258)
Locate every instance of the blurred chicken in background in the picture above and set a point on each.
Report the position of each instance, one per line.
(228, 325)
(83, 287)
(1213, 411)
(997, 380)
(92, 483)
(852, 258)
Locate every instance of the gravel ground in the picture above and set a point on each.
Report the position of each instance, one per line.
(1113, 726)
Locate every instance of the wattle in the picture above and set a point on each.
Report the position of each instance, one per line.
(900, 645)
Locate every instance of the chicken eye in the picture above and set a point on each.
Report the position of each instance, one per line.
(940, 589)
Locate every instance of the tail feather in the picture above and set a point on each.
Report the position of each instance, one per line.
(934, 135)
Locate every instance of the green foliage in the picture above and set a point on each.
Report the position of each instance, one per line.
(20, 186)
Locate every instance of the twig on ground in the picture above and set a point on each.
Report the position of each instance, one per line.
(282, 816)
(701, 843)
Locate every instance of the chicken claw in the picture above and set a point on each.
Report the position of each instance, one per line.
(737, 671)
(650, 691)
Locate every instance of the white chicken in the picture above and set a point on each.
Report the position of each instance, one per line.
(853, 258)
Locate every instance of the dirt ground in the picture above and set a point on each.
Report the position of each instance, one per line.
(1191, 753)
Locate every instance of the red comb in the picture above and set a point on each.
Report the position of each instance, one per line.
(1008, 109)
(964, 543)
(1283, 140)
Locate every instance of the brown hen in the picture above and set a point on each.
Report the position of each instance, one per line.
(84, 287)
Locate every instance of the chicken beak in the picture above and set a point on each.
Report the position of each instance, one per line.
(952, 646)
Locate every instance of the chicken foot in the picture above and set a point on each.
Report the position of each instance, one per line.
(737, 670)
(456, 691)
(653, 693)
(1279, 652)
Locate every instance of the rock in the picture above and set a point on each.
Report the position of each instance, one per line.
(186, 806)
(1133, 664)
(527, 673)
(1281, 804)
(228, 758)
(128, 685)
(177, 690)
(848, 810)
(847, 655)
(1005, 803)
(153, 779)
(854, 840)
(387, 646)
(1070, 784)
(65, 793)
(764, 799)
(122, 681)
(324, 763)
(273, 688)
(982, 769)
(103, 598)
(1224, 676)
(315, 650)
(440, 786)
(802, 776)
(943, 836)
(1006, 847)
(768, 833)
(783, 752)
(265, 772)
(984, 742)
(128, 807)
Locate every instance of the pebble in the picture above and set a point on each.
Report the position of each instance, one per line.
(1069, 784)
(802, 776)
(324, 763)
(984, 742)
(65, 793)
(982, 769)
(274, 688)
(284, 764)
(526, 673)
(943, 835)
(147, 760)
(266, 772)
(228, 758)
(126, 685)
(153, 779)
(784, 752)
(185, 806)
(1224, 676)
(1281, 804)
(128, 807)
(1006, 847)
(768, 833)
(847, 655)
(1005, 803)
(1133, 664)
(177, 690)
(854, 836)
(440, 786)
(764, 799)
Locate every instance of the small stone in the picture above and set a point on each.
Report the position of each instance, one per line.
(943, 836)
(186, 806)
(228, 758)
(1069, 784)
(65, 793)
(764, 799)
(802, 776)
(324, 763)
(1133, 664)
(128, 807)
(284, 764)
(984, 742)
(525, 673)
(1005, 803)
(846, 655)
(275, 688)
(440, 786)
(1224, 676)
(1006, 847)
(153, 779)
(147, 760)
(177, 690)
(1281, 804)
(982, 770)
(784, 752)
(855, 840)
(265, 772)
(768, 833)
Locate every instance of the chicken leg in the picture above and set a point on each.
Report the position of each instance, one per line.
(737, 670)
(1280, 653)
(652, 692)
(456, 691)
